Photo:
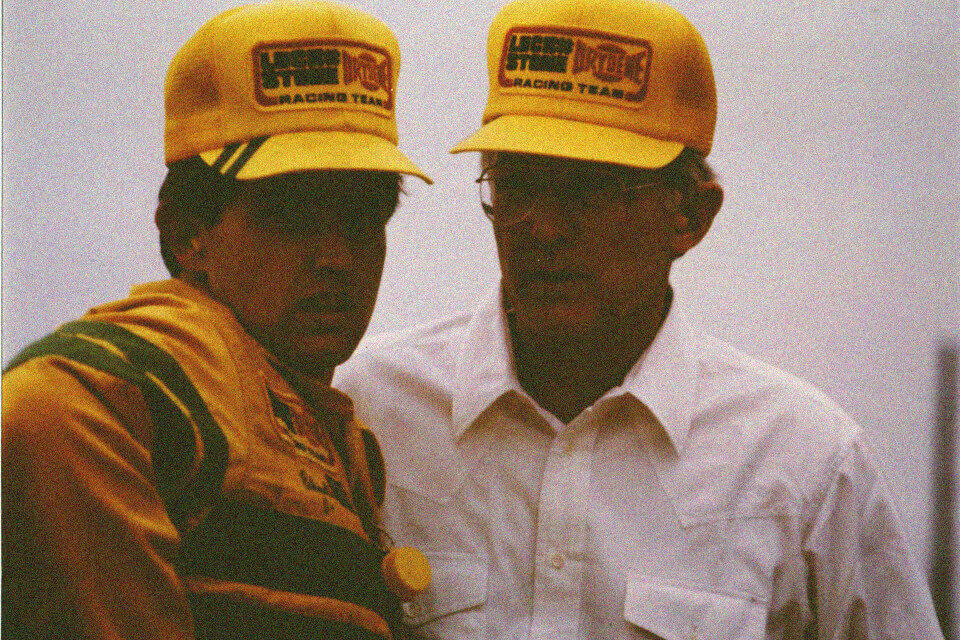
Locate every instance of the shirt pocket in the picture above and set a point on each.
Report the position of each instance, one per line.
(451, 606)
(675, 611)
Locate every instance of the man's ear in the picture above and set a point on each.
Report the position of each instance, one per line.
(693, 217)
(183, 236)
(190, 254)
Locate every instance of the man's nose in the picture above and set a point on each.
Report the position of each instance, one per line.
(329, 250)
(551, 217)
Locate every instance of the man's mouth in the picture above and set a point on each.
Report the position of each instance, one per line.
(334, 302)
(553, 276)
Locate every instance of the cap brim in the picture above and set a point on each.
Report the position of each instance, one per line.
(548, 136)
(311, 150)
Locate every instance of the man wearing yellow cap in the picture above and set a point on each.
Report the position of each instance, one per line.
(176, 464)
(575, 458)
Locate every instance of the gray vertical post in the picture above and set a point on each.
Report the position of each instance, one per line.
(942, 560)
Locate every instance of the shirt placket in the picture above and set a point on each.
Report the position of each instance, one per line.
(561, 533)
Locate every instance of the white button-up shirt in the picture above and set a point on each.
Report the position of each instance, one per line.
(709, 496)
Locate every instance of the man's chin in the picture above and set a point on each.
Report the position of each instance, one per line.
(317, 355)
(555, 320)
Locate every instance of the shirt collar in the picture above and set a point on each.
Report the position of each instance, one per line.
(664, 378)
(484, 366)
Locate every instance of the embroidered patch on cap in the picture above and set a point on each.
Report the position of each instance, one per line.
(578, 64)
(310, 74)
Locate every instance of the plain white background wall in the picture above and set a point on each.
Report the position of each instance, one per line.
(835, 255)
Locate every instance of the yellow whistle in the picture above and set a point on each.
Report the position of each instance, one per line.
(406, 571)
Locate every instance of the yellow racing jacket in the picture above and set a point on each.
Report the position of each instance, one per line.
(162, 479)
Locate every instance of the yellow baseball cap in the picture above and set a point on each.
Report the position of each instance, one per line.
(286, 85)
(622, 81)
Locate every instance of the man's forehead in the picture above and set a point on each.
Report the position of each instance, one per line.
(555, 164)
(333, 180)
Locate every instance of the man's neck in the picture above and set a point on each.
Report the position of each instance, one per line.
(565, 376)
(306, 382)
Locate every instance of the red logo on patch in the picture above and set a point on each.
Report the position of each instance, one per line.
(364, 68)
(611, 63)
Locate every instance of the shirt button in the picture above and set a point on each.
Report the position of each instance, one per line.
(556, 561)
(567, 447)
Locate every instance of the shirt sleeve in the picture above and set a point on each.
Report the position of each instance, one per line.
(88, 547)
(864, 582)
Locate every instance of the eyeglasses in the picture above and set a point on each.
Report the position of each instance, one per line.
(508, 197)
